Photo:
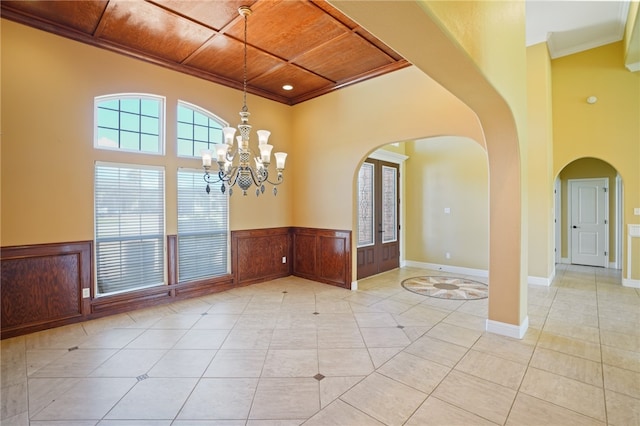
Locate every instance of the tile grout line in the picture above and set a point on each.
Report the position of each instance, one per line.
(528, 365)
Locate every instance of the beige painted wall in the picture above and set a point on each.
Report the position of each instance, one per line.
(340, 129)
(541, 260)
(335, 132)
(493, 35)
(48, 87)
(609, 129)
(491, 80)
(447, 172)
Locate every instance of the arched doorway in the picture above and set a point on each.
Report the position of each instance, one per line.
(444, 203)
(588, 194)
(499, 119)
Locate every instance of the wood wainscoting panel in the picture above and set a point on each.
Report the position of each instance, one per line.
(334, 259)
(304, 252)
(323, 255)
(172, 259)
(256, 255)
(42, 285)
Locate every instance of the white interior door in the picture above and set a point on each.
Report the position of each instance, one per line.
(588, 224)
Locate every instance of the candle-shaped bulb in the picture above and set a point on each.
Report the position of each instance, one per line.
(263, 137)
(265, 153)
(229, 133)
(206, 157)
(281, 157)
(221, 152)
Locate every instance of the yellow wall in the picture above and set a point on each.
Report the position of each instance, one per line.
(584, 168)
(541, 260)
(493, 35)
(337, 131)
(609, 129)
(489, 75)
(485, 100)
(632, 37)
(48, 87)
(451, 172)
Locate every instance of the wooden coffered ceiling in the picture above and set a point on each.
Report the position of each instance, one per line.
(305, 43)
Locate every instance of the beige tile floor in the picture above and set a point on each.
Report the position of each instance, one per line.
(291, 351)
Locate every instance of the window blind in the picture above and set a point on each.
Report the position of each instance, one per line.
(129, 227)
(203, 229)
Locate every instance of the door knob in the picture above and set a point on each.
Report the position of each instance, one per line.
(574, 227)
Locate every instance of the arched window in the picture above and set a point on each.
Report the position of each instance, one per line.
(129, 122)
(197, 129)
(129, 198)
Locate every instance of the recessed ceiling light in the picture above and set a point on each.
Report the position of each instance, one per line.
(287, 87)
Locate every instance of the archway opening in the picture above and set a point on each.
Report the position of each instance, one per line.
(444, 208)
(588, 228)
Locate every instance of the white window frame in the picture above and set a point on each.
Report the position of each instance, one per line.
(121, 96)
(163, 230)
(394, 206)
(202, 111)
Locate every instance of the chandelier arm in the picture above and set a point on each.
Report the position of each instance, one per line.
(277, 182)
(229, 177)
(258, 177)
(209, 178)
(231, 156)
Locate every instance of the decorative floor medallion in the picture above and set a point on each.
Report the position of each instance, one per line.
(453, 288)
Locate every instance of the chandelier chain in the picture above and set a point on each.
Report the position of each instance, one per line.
(235, 166)
(244, 91)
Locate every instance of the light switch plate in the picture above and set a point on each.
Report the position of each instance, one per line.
(636, 211)
(86, 293)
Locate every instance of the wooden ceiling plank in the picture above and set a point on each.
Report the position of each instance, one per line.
(80, 16)
(147, 27)
(193, 30)
(200, 49)
(98, 31)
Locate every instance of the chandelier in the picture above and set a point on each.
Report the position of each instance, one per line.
(234, 164)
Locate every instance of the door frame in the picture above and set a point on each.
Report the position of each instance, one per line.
(399, 159)
(619, 194)
(606, 214)
(558, 219)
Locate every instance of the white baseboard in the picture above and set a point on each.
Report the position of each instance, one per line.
(509, 330)
(628, 282)
(565, 260)
(539, 281)
(474, 272)
(542, 280)
(354, 285)
(448, 268)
